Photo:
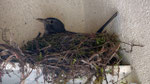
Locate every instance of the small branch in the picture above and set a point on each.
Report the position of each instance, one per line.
(25, 76)
(45, 47)
(4, 36)
(131, 45)
(105, 75)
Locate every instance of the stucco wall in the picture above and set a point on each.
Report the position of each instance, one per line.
(132, 23)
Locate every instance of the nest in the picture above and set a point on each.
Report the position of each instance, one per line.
(66, 56)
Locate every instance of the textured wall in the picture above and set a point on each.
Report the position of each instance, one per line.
(132, 25)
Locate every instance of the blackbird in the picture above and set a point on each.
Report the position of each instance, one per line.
(52, 25)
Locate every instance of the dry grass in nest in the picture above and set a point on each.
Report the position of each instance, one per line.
(65, 56)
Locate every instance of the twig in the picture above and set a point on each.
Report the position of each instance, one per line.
(4, 36)
(114, 50)
(105, 75)
(24, 77)
(131, 45)
(45, 48)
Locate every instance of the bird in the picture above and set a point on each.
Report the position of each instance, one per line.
(52, 25)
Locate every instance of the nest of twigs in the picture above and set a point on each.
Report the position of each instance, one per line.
(66, 56)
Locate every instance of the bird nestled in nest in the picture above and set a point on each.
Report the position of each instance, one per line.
(54, 25)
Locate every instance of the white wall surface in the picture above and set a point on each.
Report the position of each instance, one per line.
(132, 23)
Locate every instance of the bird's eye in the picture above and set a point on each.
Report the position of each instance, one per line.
(51, 21)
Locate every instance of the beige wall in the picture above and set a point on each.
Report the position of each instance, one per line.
(20, 16)
(132, 23)
(97, 12)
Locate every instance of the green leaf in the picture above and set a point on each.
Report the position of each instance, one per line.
(74, 61)
(40, 57)
(102, 70)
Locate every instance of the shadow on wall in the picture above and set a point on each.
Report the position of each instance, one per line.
(97, 12)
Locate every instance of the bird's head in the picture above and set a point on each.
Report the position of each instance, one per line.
(52, 25)
(47, 20)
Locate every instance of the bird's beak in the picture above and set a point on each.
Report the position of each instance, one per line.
(41, 20)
